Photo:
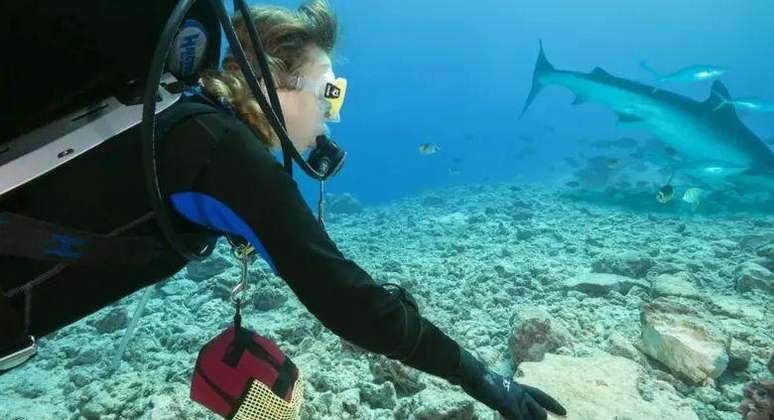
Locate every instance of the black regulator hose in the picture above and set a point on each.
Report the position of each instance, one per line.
(265, 74)
(288, 150)
(148, 129)
(148, 124)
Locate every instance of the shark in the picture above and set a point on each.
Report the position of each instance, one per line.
(703, 133)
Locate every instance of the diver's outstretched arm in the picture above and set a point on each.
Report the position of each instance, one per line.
(244, 176)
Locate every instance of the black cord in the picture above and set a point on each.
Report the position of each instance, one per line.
(238, 316)
(148, 125)
(265, 73)
(148, 129)
(239, 54)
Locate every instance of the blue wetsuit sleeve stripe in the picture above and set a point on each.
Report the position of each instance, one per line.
(211, 213)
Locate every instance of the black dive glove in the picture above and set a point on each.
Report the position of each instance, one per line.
(513, 401)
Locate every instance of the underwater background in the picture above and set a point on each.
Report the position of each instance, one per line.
(536, 242)
(457, 73)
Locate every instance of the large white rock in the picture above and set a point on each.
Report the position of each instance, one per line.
(735, 307)
(602, 283)
(603, 387)
(674, 285)
(682, 341)
(752, 276)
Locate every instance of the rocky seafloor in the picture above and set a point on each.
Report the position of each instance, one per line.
(619, 314)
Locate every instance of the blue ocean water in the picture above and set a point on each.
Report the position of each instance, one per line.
(457, 73)
(475, 231)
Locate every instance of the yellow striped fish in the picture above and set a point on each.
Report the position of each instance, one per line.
(693, 196)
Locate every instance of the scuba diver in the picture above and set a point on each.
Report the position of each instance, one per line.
(217, 171)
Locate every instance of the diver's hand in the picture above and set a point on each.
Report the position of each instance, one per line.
(512, 400)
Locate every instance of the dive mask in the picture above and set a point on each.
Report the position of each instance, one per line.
(328, 89)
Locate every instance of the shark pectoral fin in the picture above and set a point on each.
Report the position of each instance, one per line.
(625, 118)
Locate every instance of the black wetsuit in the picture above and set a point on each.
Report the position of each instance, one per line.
(208, 152)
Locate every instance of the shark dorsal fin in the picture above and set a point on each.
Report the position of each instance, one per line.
(599, 72)
(717, 100)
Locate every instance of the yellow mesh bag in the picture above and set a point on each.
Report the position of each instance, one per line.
(262, 404)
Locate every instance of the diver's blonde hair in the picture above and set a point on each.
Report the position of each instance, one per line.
(287, 37)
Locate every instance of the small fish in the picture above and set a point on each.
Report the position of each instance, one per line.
(693, 196)
(572, 184)
(695, 73)
(429, 148)
(665, 194)
(571, 162)
(455, 171)
(548, 128)
(469, 137)
(526, 139)
(747, 104)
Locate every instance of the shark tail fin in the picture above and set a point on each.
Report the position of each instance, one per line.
(541, 68)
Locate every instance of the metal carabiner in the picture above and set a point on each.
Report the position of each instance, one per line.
(245, 254)
(241, 288)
